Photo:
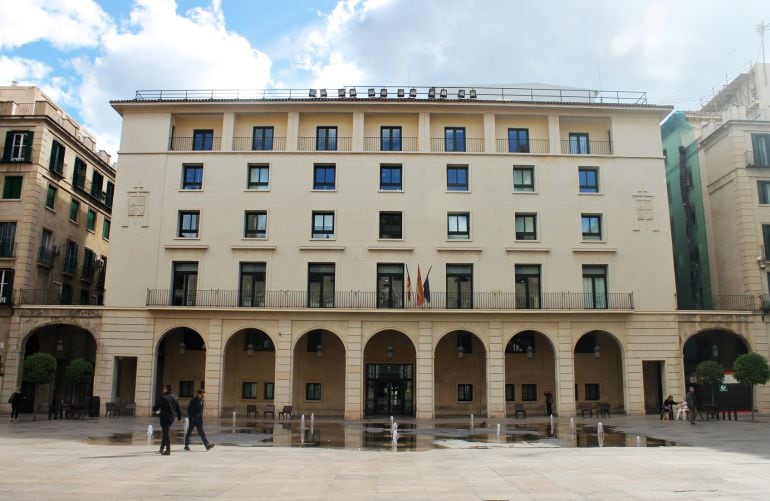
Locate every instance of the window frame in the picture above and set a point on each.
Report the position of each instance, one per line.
(251, 295)
(322, 274)
(456, 137)
(457, 233)
(194, 230)
(390, 285)
(588, 233)
(456, 275)
(203, 140)
(186, 389)
(74, 210)
(12, 187)
(249, 390)
(256, 233)
(91, 220)
(325, 184)
(325, 139)
(763, 189)
(594, 395)
(106, 227)
(321, 232)
(56, 161)
(313, 392)
(457, 186)
(259, 184)
(586, 187)
(529, 392)
(391, 186)
(50, 198)
(382, 234)
(510, 392)
(522, 146)
(390, 129)
(522, 187)
(526, 218)
(268, 390)
(195, 184)
(464, 392)
(576, 139)
(266, 143)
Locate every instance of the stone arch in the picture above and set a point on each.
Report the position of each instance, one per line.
(318, 373)
(598, 369)
(530, 371)
(180, 362)
(390, 358)
(248, 371)
(460, 374)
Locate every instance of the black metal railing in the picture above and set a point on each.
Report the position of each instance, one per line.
(328, 144)
(407, 144)
(591, 148)
(189, 143)
(259, 144)
(6, 248)
(49, 297)
(531, 146)
(757, 160)
(467, 145)
(45, 256)
(733, 302)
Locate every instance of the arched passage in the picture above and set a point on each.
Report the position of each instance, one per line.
(529, 371)
(181, 363)
(319, 374)
(389, 359)
(460, 381)
(599, 370)
(249, 371)
(724, 347)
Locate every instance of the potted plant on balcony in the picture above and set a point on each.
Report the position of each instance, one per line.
(39, 369)
(751, 369)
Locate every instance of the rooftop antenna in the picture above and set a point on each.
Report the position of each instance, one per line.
(763, 27)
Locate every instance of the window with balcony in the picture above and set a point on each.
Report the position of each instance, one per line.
(7, 238)
(518, 140)
(203, 140)
(45, 255)
(588, 178)
(465, 392)
(323, 225)
(106, 229)
(578, 143)
(91, 220)
(97, 180)
(391, 225)
(192, 177)
(74, 210)
(326, 139)
(184, 283)
(324, 177)
(255, 225)
(12, 187)
(50, 198)
(457, 178)
(71, 258)
(252, 284)
(320, 291)
(259, 177)
(79, 174)
(524, 179)
(18, 146)
(6, 286)
(458, 226)
(390, 138)
(89, 264)
(763, 187)
(591, 225)
(390, 178)
(454, 139)
(760, 145)
(528, 286)
(109, 193)
(188, 226)
(459, 286)
(526, 226)
(595, 286)
(262, 139)
(390, 285)
(56, 164)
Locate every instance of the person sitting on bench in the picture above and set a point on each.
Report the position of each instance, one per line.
(668, 407)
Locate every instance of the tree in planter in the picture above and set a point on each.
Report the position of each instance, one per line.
(711, 373)
(39, 368)
(79, 375)
(751, 369)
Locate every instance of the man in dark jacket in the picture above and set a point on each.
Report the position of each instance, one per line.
(195, 415)
(166, 408)
(16, 398)
(690, 399)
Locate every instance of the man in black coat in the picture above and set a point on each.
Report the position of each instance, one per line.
(16, 398)
(195, 415)
(166, 408)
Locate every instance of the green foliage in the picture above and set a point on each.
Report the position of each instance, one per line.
(710, 372)
(79, 371)
(751, 368)
(39, 368)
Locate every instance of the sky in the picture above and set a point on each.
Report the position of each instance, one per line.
(84, 53)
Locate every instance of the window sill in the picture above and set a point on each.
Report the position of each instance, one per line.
(390, 239)
(322, 247)
(609, 250)
(10, 199)
(389, 248)
(247, 190)
(245, 247)
(459, 249)
(389, 191)
(187, 239)
(590, 194)
(524, 192)
(72, 221)
(183, 190)
(461, 192)
(50, 209)
(253, 239)
(525, 241)
(527, 249)
(186, 247)
(92, 232)
(315, 190)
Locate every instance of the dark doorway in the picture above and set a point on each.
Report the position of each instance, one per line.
(389, 390)
(653, 386)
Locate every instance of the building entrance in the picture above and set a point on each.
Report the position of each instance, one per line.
(389, 390)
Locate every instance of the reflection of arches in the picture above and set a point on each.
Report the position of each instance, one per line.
(460, 375)
(319, 373)
(181, 362)
(599, 369)
(530, 370)
(389, 362)
(249, 370)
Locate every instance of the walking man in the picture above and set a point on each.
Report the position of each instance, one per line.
(195, 415)
(166, 408)
(15, 400)
(691, 404)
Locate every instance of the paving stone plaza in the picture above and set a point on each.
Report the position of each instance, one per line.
(98, 458)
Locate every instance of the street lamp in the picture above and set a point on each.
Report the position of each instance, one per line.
(319, 350)
(182, 347)
(250, 349)
(530, 352)
(714, 351)
(597, 351)
(60, 345)
(389, 351)
(460, 351)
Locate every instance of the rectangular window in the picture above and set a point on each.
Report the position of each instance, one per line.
(454, 139)
(320, 285)
(66, 294)
(457, 178)
(464, 341)
(313, 391)
(12, 187)
(528, 293)
(592, 391)
(7, 238)
(74, 210)
(764, 191)
(18, 146)
(591, 225)
(390, 138)
(578, 143)
(529, 392)
(106, 229)
(324, 177)
(390, 178)
(459, 286)
(192, 177)
(262, 139)
(186, 389)
(390, 285)
(255, 224)
(56, 164)
(595, 286)
(252, 284)
(524, 179)
(458, 226)
(89, 264)
(91, 220)
(259, 177)
(203, 139)
(326, 139)
(249, 390)
(390, 225)
(465, 393)
(510, 392)
(766, 240)
(6, 286)
(188, 224)
(526, 226)
(50, 197)
(589, 179)
(323, 225)
(109, 193)
(269, 391)
(184, 282)
(71, 258)
(97, 180)
(760, 144)
(518, 140)
(79, 174)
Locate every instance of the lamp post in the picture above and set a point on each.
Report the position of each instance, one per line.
(597, 351)
(460, 351)
(182, 347)
(389, 351)
(714, 350)
(319, 350)
(250, 349)
(530, 352)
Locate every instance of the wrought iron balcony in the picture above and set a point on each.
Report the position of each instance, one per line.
(191, 143)
(328, 144)
(250, 143)
(48, 297)
(591, 148)
(407, 144)
(531, 146)
(467, 145)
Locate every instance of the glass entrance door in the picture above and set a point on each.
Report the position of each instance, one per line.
(389, 390)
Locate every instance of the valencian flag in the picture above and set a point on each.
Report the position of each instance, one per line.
(420, 297)
(408, 285)
(426, 286)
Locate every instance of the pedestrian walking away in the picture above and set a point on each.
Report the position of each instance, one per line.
(690, 399)
(195, 416)
(15, 400)
(548, 403)
(166, 408)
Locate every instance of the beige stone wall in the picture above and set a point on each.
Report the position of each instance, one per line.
(245, 123)
(452, 370)
(539, 370)
(328, 369)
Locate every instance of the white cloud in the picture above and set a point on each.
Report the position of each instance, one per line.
(24, 71)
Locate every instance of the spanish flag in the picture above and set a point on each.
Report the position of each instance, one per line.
(420, 294)
(408, 285)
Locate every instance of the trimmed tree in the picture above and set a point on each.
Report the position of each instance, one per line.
(711, 373)
(79, 374)
(39, 368)
(751, 369)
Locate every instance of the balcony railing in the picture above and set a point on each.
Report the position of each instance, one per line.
(189, 144)
(214, 298)
(732, 302)
(48, 297)
(45, 256)
(312, 144)
(591, 148)
(531, 146)
(468, 145)
(248, 143)
(407, 144)
(753, 160)
(6, 248)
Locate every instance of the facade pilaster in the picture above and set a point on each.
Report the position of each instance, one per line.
(565, 371)
(496, 372)
(353, 371)
(283, 364)
(424, 373)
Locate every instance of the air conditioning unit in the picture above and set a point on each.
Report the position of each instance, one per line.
(56, 250)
